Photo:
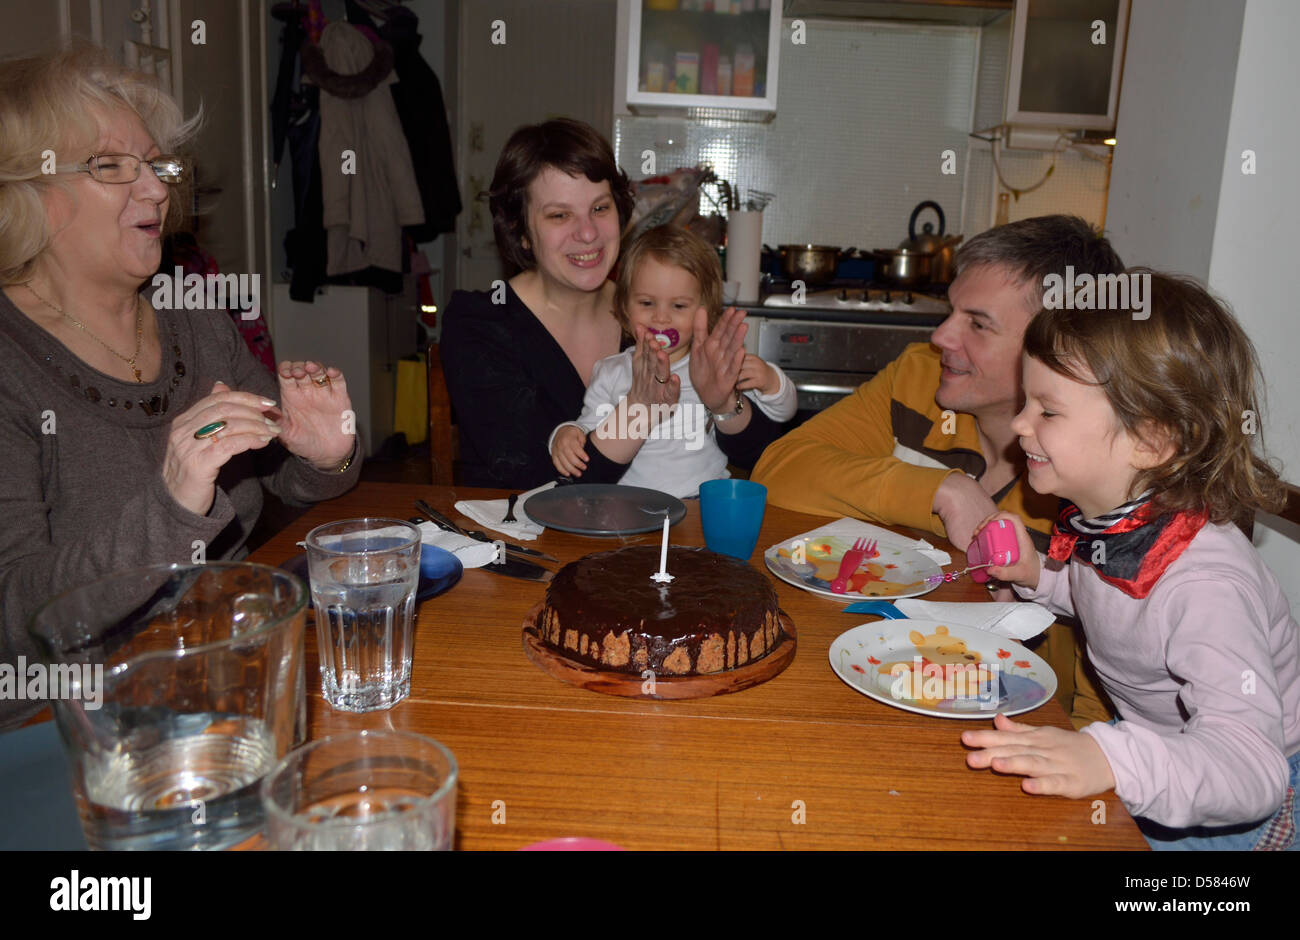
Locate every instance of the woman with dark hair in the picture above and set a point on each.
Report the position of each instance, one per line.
(518, 357)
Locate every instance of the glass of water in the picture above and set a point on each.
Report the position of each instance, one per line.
(187, 693)
(364, 574)
(363, 791)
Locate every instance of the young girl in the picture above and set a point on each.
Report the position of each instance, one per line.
(1146, 427)
(641, 410)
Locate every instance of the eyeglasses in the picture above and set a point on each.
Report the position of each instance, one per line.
(125, 168)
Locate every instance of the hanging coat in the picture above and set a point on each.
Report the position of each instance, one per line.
(364, 210)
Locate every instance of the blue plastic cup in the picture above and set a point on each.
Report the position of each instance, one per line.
(732, 514)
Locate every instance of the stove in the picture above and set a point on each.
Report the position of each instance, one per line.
(862, 298)
(833, 339)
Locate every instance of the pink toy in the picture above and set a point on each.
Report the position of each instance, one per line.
(995, 545)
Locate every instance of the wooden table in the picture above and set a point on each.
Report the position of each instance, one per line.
(800, 762)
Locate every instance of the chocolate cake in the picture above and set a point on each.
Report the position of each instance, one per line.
(604, 611)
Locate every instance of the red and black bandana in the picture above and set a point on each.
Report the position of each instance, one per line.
(1131, 550)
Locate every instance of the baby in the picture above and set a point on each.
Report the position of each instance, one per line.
(642, 409)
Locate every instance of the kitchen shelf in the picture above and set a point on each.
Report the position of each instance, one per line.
(698, 50)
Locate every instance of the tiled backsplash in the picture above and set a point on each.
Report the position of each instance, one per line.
(865, 111)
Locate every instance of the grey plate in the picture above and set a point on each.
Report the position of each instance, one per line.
(603, 509)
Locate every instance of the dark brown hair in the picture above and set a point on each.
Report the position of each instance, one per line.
(1033, 248)
(1186, 374)
(678, 248)
(565, 144)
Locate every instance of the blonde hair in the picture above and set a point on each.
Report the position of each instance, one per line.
(678, 248)
(1186, 374)
(56, 101)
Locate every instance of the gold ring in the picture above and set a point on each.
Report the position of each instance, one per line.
(209, 430)
(321, 380)
(661, 381)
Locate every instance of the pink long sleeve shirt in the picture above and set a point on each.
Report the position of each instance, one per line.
(1205, 674)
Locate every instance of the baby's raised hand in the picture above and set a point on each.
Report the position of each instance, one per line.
(1024, 572)
(653, 380)
(755, 373)
(1053, 761)
(569, 451)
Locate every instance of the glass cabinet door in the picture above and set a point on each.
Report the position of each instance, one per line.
(703, 54)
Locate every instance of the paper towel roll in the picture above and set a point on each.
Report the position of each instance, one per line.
(744, 250)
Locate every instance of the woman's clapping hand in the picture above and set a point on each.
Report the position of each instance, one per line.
(317, 420)
(191, 465)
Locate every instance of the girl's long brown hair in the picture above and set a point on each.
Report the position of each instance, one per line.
(1187, 373)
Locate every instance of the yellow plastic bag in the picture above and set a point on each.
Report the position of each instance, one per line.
(411, 407)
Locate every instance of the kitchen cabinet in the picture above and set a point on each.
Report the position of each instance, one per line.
(688, 54)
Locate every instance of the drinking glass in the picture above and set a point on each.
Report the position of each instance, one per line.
(364, 574)
(731, 512)
(367, 790)
(193, 696)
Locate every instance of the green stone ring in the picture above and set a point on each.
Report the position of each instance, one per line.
(209, 430)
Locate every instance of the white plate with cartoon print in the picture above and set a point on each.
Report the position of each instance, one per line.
(962, 672)
(896, 572)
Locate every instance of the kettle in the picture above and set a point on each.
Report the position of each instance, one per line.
(941, 247)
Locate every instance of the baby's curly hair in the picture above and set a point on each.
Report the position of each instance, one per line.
(1187, 373)
(678, 248)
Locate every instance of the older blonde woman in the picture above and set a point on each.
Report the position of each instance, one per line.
(129, 435)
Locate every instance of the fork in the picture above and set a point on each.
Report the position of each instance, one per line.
(861, 550)
(510, 508)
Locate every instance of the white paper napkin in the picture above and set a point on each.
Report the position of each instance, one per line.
(852, 528)
(489, 512)
(471, 552)
(1013, 621)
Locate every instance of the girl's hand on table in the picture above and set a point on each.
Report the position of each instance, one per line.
(653, 381)
(1053, 761)
(314, 403)
(190, 464)
(1024, 572)
(716, 358)
(568, 451)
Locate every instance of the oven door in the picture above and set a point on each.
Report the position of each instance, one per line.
(828, 360)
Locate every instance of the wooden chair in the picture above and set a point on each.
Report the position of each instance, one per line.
(1291, 511)
(443, 439)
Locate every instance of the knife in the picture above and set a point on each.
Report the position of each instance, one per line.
(443, 522)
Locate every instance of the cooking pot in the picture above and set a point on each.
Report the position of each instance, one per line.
(812, 264)
(903, 267)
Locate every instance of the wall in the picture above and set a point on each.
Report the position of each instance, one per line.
(1252, 257)
(28, 28)
(1173, 124)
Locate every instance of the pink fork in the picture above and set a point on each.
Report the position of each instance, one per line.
(853, 558)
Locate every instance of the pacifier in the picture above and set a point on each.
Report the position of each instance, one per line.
(666, 339)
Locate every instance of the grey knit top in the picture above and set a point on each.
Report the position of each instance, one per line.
(81, 486)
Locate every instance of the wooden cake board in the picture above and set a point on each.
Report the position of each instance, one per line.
(629, 685)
